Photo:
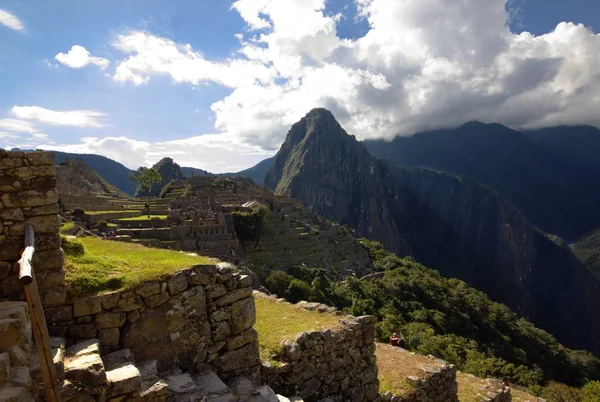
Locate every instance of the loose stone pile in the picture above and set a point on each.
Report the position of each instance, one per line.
(28, 195)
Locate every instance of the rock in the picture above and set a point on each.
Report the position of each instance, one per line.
(118, 358)
(158, 392)
(87, 306)
(67, 390)
(148, 369)
(157, 300)
(234, 296)
(201, 279)
(128, 304)
(82, 331)
(109, 320)
(267, 392)
(243, 315)
(14, 394)
(84, 363)
(123, 379)
(110, 300)
(20, 376)
(241, 386)
(177, 283)
(58, 357)
(4, 367)
(181, 384)
(133, 316)
(10, 332)
(215, 290)
(220, 330)
(210, 384)
(109, 337)
(148, 289)
(244, 357)
(242, 339)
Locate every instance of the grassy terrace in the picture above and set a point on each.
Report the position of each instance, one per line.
(469, 389)
(144, 218)
(110, 265)
(276, 322)
(121, 211)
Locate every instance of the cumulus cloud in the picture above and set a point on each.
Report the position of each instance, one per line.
(10, 20)
(421, 65)
(152, 56)
(20, 134)
(75, 118)
(217, 153)
(79, 56)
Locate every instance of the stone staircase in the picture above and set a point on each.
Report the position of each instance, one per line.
(86, 375)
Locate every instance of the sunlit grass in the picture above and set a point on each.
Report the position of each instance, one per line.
(276, 322)
(92, 213)
(144, 218)
(110, 265)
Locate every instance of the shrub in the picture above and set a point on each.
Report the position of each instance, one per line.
(298, 290)
(591, 392)
(73, 248)
(248, 225)
(101, 225)
(278, 282)
(78, 212)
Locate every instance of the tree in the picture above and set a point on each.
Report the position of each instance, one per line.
(591, 391)
(146, 177)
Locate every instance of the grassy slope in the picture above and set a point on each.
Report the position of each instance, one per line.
(276, 322)
(144, 218)
(587, 249)
(113, 265)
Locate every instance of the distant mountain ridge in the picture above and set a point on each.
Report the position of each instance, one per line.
(455, 225)
(535, 172)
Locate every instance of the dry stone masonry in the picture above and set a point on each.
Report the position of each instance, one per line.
(28, 195)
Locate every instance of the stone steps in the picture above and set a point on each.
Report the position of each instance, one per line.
(87, 375)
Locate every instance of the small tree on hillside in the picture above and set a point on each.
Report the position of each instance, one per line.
(146, 177)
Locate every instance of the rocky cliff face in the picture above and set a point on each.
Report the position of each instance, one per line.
(74, 177)
(454, 225)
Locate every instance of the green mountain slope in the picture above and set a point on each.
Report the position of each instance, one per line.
(256, 173)
(454, 225)
(587, 248)
(550, 188)
(113, 172)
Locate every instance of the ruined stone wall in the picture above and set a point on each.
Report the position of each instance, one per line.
(202, 314)
(334, 363)
(28, 195)
(438, 384)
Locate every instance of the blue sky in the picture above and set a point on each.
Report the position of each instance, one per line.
(216, 84)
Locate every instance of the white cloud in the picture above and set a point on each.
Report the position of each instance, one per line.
(217, 153)
(79, 56)
(10, 20)
(76, 118)
(422, 65)
(18, 131)
(152, 56)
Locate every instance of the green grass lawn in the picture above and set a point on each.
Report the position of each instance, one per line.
(144, 218)
(121, 211)
(66, 226)
(111, 265)
(276, 322)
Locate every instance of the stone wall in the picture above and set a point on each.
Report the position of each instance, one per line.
(18, 357)
(334, 363)
(28, 195)
(438, 384)
(202, 314)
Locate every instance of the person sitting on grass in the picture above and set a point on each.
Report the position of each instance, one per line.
(394, 339)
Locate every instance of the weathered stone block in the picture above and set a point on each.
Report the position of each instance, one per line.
(242, 339)
(84, 363)
(157, 300)
(12, 214)
(129, 304)
(110, 300)
(9, 184)
(109, 337)
(37, 158)
(244, 357)
(87, 306)
(46, 241)
(177, 283)
(45, 210)
(221, 315)
(243, 315)
(30, 172)
(220, 330)
(123, 380)
(30, 198)
(205, 269)
(50, 279)
(201, 279)
(148, 289)
(118, 358)
(11, 286)
(10, 249)
(82, 331)
(48, 260)
(109, 320)
(4, 367)
(233, 296)
(59, 314)
(215, 290)
(133, 316)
